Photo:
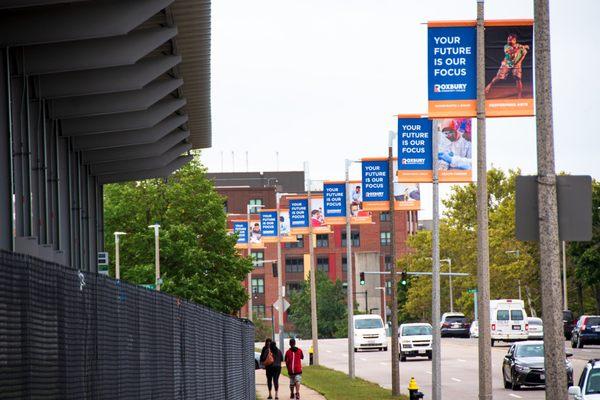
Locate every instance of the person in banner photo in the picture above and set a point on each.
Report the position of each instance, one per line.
(407, 192)
(255, 234)
(513, 56)
(284, 224)
(454, 143)
(316, 218)
(356, 196)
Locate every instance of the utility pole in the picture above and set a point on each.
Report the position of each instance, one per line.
(279, 274)
(117, 255)
(394, 335)
(554, 351)
(436, 368)
(313, 283)
(483, 256)
(249, 208)
(564, 274)
(349, 276)
(156, 256)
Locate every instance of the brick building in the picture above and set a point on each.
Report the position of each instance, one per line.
(330, 249)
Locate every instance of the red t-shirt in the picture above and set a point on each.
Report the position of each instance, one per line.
(293, 361)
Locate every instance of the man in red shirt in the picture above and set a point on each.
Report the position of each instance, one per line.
(293, 362)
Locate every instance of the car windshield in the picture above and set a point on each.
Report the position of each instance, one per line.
(516, 315)
(592, 321)
(455, 318)
(368, 323)
(530, 350)
(593, 383)
(534, 321)
(416, 330)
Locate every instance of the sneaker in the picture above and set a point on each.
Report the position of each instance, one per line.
(270, 397)
(297, 396)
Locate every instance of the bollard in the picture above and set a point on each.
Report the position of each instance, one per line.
(311, 351)
(413, 390)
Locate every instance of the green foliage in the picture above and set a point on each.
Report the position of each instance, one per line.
(331, 308)
(262, 329)
(197, 257)
(458, 241)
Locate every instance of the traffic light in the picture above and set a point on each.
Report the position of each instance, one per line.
(403, 278)
(362, 278)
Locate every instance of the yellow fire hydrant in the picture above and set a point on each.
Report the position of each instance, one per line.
(311, 351)
(413, 390)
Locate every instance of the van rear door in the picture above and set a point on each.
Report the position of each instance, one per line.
(503, 326)
(517, 320)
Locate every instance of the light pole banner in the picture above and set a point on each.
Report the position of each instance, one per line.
(298, 215)
(509, 68)
(358, 213)
(454, 155)
(414, 149)
(334, 198)
(284, 222)
(376, 184)
(407, 196)
(452, 72)
(241, 229)
(268, 224)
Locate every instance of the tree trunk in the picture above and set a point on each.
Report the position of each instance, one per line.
(579, 296)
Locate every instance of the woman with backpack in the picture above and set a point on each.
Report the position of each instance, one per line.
(271, 358)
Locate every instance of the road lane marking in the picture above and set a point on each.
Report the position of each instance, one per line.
(428, 372)
(516, 396)
(461, 360)
(328, 351)
(363, 359)
(456, 379)
(384, 364)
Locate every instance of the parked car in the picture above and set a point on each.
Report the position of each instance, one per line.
(588, 387)
(369, 332)
(455, 324)
(523, 365)
(415, 340)
(586, 331)
(257, 363)
(507, 318)
(569, 322)
(536, 328)
(474, 331)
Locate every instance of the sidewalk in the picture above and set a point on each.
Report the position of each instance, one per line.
(284, 388)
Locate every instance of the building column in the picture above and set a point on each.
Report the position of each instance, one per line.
(6, 176)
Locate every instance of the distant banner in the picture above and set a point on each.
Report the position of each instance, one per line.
(414, 149)
(284, 222)
(454, 151)
(334, 198)
(299, 215)
(268, 224)
(241, 229)
(407, 196)
(358, 213)
(509, 68)
(317, 215)
(452, 72)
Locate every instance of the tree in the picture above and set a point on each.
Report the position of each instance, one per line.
(331, 308)
(198, 259)
(458, 241)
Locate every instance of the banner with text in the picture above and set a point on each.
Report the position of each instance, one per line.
(299, 215)
(452, 69)
(334, 197)
(268, 224)
(454, 151)
(414, 149)
(407, 196)
(241, 229)
(509, 68)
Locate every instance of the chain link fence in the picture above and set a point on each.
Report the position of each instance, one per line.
(65, 334)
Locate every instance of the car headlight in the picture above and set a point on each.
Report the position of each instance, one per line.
(407, 344)
(522, 368)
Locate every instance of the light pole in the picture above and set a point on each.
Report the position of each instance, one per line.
(449, 261)
(117, 260)
(156, 256)
(517, 253)
(395, 348)
(382, 288)
(249, 208)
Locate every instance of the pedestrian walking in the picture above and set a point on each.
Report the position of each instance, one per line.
(293, 362)
(271, 357)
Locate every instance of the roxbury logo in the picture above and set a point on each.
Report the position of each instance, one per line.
(449, 87)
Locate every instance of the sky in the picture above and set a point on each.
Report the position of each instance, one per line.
(321, 81)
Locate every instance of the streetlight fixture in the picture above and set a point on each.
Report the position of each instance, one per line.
(157, 282)
(382, 288)
(249, 208)
(117, 260)
(449, 261)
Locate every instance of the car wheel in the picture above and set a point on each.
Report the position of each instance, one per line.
(385, 348)
(515, 385)
(507, 384)
(579, 342)
(492, 342)
(355, 350)
(402, 358)
(429, 355)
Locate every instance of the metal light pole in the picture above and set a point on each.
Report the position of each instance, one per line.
(156, 256)
(554, 351)
(249, 208)
(564, 274)
(349, 276)
(483, 256)
(279, 274)
(394, 335)
(117, 257)
(449, 261)
(313, 283)
(436, 373)
(382, 288)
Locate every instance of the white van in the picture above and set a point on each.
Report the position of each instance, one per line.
(369, 332)
(508, 320)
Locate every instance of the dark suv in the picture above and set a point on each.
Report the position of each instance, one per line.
(587, 331)
(569, 322)
(455, 324)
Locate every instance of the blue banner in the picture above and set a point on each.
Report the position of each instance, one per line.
(414, 150)
(268, 223)
(375, 180)
(334, 199)
(298, 213)
(241, 228)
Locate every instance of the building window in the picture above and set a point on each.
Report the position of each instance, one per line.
(355, 239)
(225, 207)
(258, 258)
(385, 238)
(258, 285)
(293, 287)
(384, 216)
(259, 310)
(344, 264)
(323, 264)
(322, 240)
(388, 263)
(388, 288)
(255, 202)
(294, 264)
(299, 244)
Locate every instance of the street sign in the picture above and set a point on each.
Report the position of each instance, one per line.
(150, 286)
(286, 305)
(102, 258)
(471, 291)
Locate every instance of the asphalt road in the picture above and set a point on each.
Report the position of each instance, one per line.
(459, 367)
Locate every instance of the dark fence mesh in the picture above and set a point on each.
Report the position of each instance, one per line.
(71, 335)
